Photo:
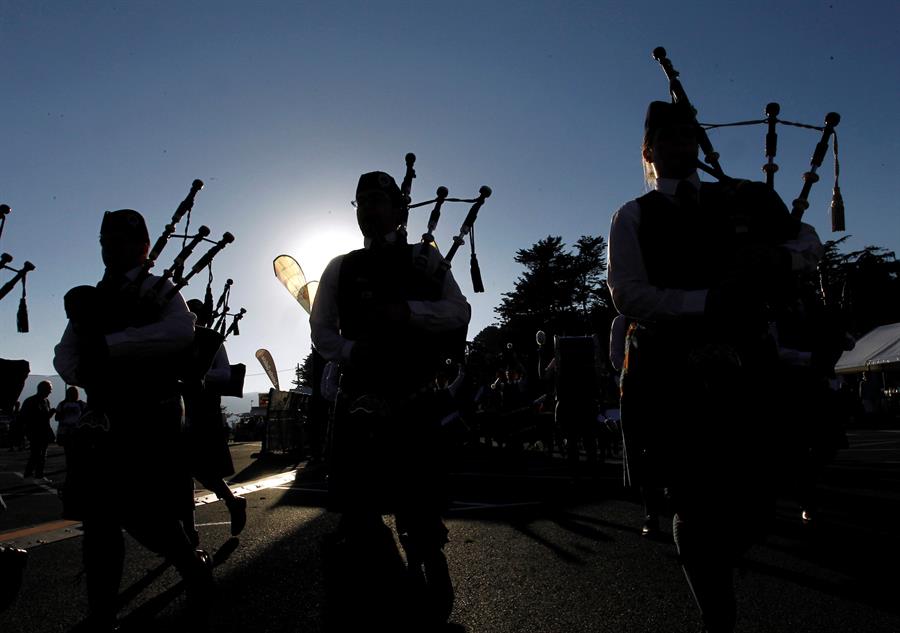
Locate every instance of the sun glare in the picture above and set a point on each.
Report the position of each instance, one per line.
(319, 246)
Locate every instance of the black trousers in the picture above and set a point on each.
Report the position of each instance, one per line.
(386, 457)
(133, 479)
(698, 428)
(578, 421)
(36, 459)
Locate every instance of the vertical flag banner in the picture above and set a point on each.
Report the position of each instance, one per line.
(265, 359)
(289, 273)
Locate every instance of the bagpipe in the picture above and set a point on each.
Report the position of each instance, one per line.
(220, 313)
(711, 164)
(466, 229)
(157, 297)
(792, 307)
(18, 276)
(217, 321)
(452, 345)
(133, 304)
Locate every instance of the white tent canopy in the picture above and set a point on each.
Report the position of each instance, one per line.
(876, 351)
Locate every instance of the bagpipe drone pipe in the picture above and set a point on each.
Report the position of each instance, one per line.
(466, 229)
(452, 345)
(132, 302)
(19, 275)
(217, 321)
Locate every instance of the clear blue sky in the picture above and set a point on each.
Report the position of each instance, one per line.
(279, 106)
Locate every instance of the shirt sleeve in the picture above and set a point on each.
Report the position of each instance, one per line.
(633, 294)
(324, 323)
(450, 312)
(617, 335)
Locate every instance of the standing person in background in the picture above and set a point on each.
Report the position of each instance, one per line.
(68, 412)
(317, 411)
(694, 265)
(35, 420)
(127, 354)
(16, 433)
(577, 399)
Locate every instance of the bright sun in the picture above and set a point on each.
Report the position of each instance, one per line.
(319, 246)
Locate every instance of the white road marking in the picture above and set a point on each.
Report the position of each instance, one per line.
(55, 531)
(300, 488)
(39, 484)
(466, 506)
(508, 476)
(253, 486)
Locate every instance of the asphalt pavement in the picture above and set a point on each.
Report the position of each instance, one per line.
(532, 549)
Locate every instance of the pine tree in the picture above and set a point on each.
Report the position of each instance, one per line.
(303, 373)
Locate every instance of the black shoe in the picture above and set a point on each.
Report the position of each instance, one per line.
(237, 507)
(98, 624)
(197, 573)
(439, 586)
(650, 528)
(363, 531)
(202, 573)
(200, 589)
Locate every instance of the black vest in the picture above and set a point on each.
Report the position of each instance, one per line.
(125, 381)
(679, 246)
(388, 274)
(698, 248)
